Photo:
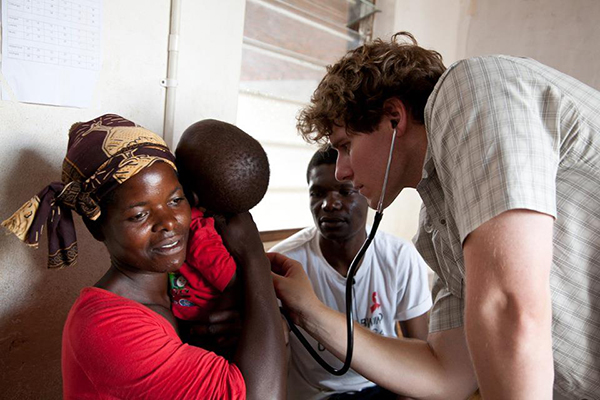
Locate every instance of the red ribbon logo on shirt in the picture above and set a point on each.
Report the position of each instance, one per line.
(375, 305)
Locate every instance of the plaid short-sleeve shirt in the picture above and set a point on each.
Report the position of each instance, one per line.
(510, 133)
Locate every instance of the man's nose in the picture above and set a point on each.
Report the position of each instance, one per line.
(332, 202)
(343, 170)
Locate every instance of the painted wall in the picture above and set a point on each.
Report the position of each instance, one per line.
(35, 301)
(561, 34)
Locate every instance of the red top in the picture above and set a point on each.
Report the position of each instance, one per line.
(116, 348)
(207, 270)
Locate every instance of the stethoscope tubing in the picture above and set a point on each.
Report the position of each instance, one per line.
(349, 286)
(349, 312)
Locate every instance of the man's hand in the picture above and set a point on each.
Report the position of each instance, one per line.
(293, 288)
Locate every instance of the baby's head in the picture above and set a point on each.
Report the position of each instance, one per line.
(222, 167)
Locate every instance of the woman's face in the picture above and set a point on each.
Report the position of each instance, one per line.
(145, 227)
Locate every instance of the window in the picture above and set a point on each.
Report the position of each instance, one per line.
(287, 46)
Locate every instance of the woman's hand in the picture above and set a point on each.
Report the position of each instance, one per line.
(293, 288)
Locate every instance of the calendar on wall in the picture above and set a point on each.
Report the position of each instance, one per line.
(51, 50)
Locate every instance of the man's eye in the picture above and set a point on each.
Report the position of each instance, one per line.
(315, 193)
(347, 192)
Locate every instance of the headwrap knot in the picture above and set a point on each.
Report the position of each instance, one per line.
(75, 198)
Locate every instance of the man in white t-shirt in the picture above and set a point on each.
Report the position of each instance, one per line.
(390, 284)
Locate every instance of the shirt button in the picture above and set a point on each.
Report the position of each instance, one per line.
(443, 221)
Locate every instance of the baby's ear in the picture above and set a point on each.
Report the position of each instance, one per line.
(192, 198)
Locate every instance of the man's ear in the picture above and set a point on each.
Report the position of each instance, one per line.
(395, 110)
(95, 228)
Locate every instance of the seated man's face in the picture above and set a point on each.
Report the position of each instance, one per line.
(339, 211)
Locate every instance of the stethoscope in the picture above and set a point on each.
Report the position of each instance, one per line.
(349, 284)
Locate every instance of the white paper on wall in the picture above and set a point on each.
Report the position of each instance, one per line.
(51, 50)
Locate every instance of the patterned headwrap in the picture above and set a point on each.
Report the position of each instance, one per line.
(101, 154)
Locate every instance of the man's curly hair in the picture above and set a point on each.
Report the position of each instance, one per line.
(353, 91)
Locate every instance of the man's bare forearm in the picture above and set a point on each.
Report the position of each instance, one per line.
(411, 367)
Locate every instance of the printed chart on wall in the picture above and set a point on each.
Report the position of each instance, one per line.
(51, 50)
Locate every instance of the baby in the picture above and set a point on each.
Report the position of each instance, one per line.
(223, 171)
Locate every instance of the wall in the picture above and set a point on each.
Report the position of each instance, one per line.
(434, 23)
(35, 301)
(562, 34)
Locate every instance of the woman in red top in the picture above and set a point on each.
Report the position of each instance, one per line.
(120, 339)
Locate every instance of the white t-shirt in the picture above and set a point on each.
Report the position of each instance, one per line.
(390, 285)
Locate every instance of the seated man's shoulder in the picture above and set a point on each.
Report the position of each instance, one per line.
(397, 252)
(296, 242)
(394, 243)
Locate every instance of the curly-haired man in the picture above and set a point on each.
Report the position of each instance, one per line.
(504, 153)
